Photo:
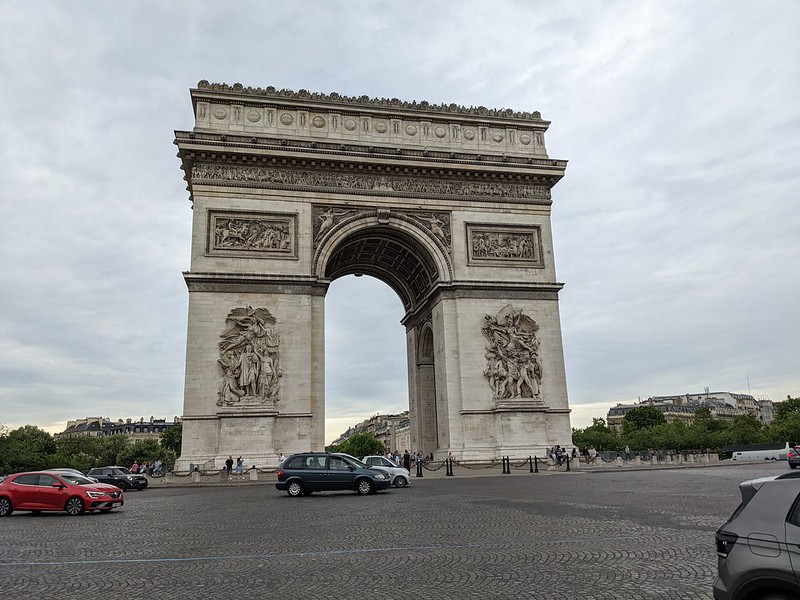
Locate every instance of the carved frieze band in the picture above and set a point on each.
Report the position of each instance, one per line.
(504, 245)
(326, 218)
(252, 234)
(268, 176)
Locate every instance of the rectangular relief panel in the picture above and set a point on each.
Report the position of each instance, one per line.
(252, 234)
(498, 245)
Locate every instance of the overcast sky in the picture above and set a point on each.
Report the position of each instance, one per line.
(676, 227)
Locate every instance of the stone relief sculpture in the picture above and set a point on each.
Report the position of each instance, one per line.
(249, 359)
(275, 176)
(513, 369)
(438, 224)
(249, 233)
(325, 219)
(502, 245)
(512, 245)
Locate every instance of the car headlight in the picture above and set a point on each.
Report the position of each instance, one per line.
(130, 477)
(381, 476)
(95, 494)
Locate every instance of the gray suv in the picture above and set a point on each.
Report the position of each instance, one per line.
(758, 548)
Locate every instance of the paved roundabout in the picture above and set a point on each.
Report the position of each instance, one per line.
(601, 535)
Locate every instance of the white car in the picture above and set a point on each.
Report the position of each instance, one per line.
(400, 476)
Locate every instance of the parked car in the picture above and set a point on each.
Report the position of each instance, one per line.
(303, 474)
(120, 477)
(758, 548)
(40, 491)
(69, 471)
(400, 476)
(793, 456)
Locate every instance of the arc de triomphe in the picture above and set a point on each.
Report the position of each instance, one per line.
(450, 206)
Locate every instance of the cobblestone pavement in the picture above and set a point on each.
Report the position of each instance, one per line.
(601, 535)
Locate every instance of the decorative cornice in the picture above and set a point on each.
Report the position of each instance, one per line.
(366, 101)
(253, 283)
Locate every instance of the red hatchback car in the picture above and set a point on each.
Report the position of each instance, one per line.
(41, 491)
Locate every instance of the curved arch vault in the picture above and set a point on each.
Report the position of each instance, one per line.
(448, 206)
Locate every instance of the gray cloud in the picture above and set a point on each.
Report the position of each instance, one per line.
(675, 228)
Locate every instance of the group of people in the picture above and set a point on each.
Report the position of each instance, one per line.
(589, 454)
(147, 467)
(239, 466)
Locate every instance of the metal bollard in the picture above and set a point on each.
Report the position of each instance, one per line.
(419, 469)
(530, 462)
(449, 472)
(506, 466)
(535, 464)
(567, 463)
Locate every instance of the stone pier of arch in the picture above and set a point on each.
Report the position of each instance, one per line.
(449, 206)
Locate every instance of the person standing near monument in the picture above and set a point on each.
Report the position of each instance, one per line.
(239, 467)
(229, 465)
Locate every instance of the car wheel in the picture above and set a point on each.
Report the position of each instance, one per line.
(121, 485)
(5, 507)
(400, 481)
(791, 466)
(74, 506)
(364, 486)
(294, 489)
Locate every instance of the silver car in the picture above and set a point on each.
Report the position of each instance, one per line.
(400, 476)
(758, 548)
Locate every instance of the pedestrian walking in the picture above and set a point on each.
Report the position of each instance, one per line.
(239, 467)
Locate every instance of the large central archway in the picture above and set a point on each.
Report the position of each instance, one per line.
(448, 206)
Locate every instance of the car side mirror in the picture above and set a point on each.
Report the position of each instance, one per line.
(351, 467)
(56, 484)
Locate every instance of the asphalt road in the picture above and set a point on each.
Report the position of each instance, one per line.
(596, 535)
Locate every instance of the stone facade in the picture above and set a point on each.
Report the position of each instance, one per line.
(449, 206)
(723, 405)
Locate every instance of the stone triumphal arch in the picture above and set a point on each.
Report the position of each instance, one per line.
(450, 206)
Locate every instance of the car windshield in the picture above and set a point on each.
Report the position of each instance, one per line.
(121, 471)
(75, 479)
(355, 461)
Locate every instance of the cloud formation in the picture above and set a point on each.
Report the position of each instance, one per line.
(675, 227)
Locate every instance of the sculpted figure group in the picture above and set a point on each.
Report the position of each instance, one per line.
(249, 358)
(251, 234)
(512, 354)
(502, 245)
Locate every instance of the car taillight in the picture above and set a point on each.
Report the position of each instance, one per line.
(725, 543)
(280, 474)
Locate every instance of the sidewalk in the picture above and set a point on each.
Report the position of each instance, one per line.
(438, 470)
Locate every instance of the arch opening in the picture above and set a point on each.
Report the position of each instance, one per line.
(389, 255)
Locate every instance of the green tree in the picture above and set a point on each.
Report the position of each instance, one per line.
(25, 449)
(786, 429)
(598, 434)
(359, 445)
(745, 429)
(172, 437)
(642, 417)
(787, 408)
(148, 450)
